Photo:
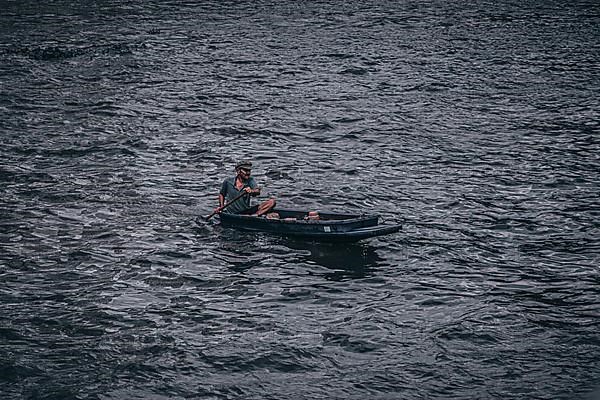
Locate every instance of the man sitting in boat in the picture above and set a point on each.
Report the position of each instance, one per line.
(233, 189)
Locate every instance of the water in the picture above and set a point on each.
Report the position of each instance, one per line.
(475, 124)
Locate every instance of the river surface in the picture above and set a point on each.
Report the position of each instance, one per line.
(475, 124)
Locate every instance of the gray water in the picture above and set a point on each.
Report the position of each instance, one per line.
(474, 124)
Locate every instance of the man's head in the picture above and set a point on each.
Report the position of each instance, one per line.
(244, 168)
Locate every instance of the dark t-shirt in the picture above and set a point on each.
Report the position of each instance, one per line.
(229, 191)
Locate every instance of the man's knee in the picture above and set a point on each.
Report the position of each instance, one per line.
(269, 203)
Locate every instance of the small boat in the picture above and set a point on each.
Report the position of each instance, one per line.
(322, 226)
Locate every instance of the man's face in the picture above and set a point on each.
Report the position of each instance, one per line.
(244, 173)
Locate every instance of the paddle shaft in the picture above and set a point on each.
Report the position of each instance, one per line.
(224, 206)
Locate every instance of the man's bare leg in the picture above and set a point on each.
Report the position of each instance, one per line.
(265, 207)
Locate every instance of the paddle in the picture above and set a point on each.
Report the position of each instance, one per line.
(218, 210)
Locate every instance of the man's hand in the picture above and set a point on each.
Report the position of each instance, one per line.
(252, 192)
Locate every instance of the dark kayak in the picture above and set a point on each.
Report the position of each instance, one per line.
(329, 226)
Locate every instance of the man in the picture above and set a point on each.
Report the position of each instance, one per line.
(243, 182)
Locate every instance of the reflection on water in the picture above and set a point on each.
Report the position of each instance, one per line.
(243, 250)
(346, 260)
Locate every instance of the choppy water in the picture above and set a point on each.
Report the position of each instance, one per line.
(474, 123)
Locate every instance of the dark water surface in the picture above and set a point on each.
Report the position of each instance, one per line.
(474, 123)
